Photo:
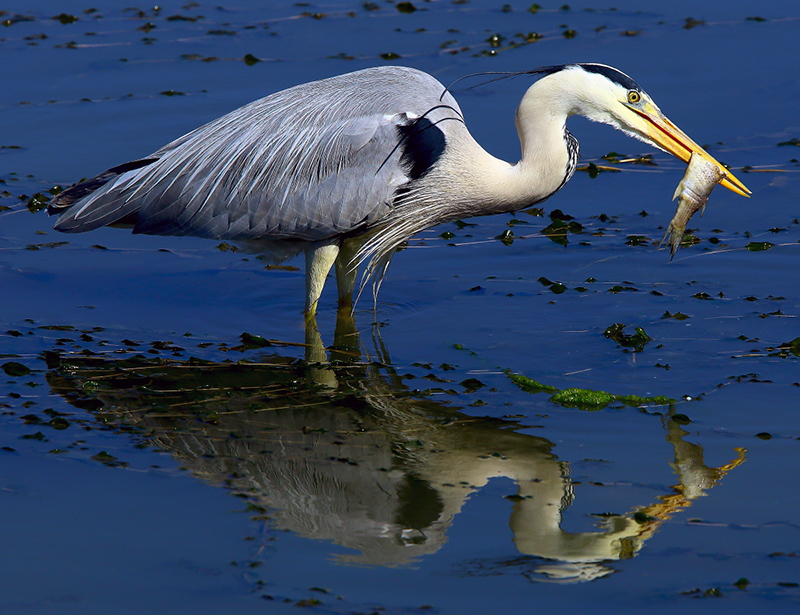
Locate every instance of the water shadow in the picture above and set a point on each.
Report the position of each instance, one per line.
(338, 448)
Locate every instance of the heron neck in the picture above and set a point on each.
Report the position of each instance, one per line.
(543, 168)
(546, 162)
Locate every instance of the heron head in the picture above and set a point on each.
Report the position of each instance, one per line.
(604, 94)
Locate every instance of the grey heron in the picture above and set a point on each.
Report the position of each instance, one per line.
(347, 168)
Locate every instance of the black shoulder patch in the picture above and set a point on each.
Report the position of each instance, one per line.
(613, 74)
(422, 144)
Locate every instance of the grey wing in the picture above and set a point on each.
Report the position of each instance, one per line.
(310, 163)
(310, 184)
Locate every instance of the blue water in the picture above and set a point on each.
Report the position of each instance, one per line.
(178, 487)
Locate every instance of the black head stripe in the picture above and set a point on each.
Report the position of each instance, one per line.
(601, 69)
(613, 74)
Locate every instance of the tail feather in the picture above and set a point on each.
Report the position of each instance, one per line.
(62, 202)
(73, 194)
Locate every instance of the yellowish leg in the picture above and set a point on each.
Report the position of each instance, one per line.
(320, 257)
(346, 273)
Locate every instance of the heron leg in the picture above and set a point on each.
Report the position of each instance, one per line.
(320, 257)
(346, 273)
(319, 369)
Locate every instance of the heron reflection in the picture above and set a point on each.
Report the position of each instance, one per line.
(346, 452)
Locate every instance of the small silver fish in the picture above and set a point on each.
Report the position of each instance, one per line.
(692, 193)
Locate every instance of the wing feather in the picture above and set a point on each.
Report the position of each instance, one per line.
(310, 162)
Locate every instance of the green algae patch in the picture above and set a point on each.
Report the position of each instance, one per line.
(584, 399)
(529, 385)
(636, 400)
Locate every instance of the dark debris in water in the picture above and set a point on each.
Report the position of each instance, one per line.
(786, 350)
(560, 226)
(15, 369)
(555, 287)
(109, 460)
(65, 18)
(635, 341)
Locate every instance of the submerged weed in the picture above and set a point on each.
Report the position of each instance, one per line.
(584, 399)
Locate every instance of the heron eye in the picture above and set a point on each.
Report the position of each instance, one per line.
(634, 97)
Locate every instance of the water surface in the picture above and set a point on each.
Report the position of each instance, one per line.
(153, 460)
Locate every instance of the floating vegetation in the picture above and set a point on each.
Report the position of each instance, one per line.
(691, 22)
(181, 18)
(65, 18)
(37, 202)
(109, 460)
(14, 369)
(635, 341)
(617, 158)
(785, 350)
(584, 399)
(10, 21)
(471, 385)
(59, 423)
(595, 169)
(250, 341)
(689, 239)
(638, 240)
(51, 244)
(759, 246)
(506, 237)
(555, 287)
(495, 40)
(560, 225)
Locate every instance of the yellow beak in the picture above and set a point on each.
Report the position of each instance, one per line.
(672, 139)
